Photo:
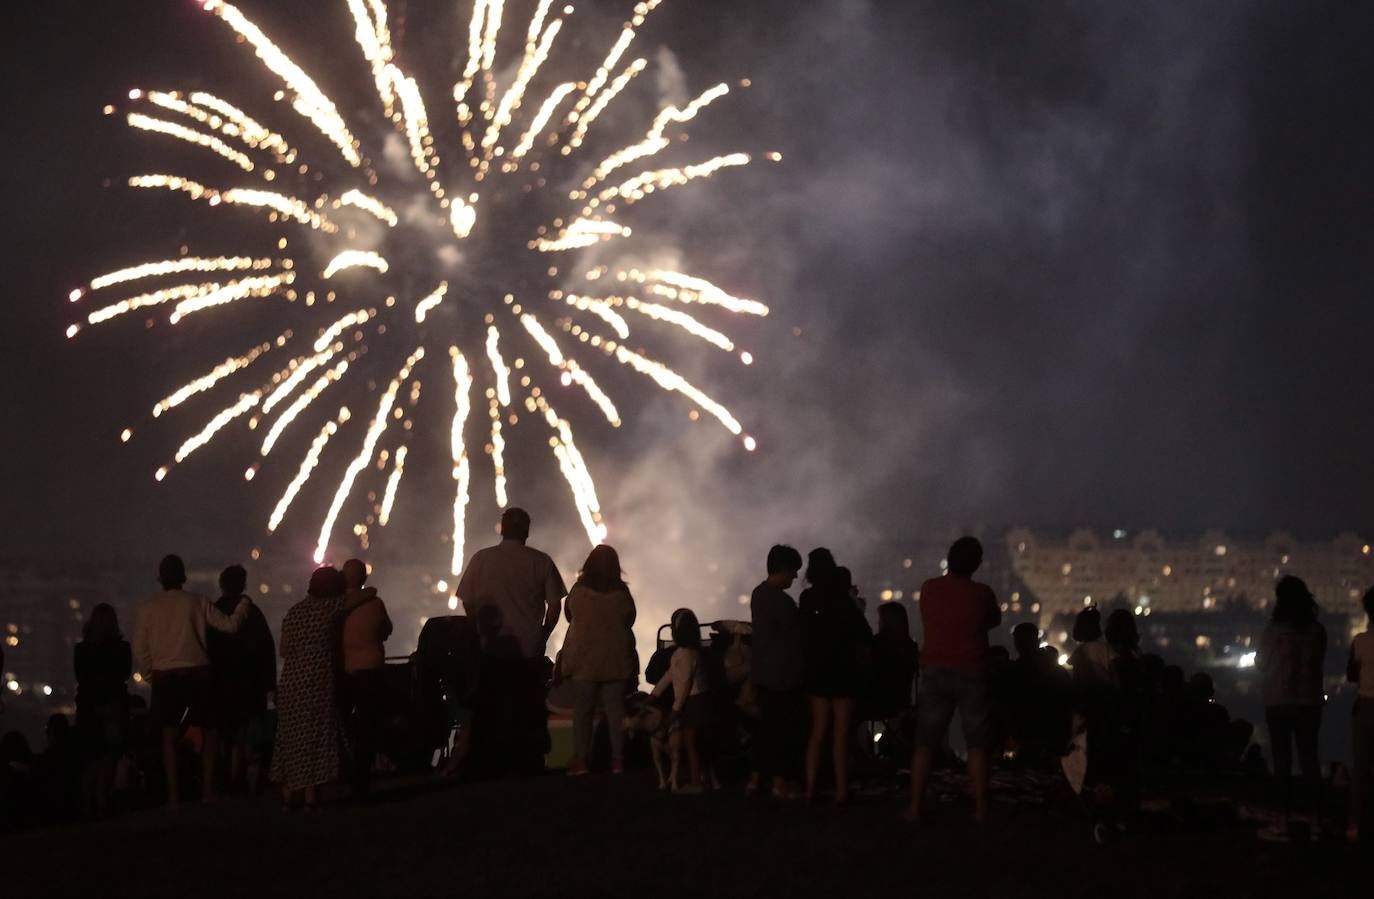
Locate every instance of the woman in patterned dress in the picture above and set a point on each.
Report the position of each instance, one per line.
(309, 744)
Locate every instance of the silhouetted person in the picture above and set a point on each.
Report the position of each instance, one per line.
(599, 654)
(1091, 660)
(1360, 670)
(365, 630)
(245, 669)
(957, 612)
(515, 593)
(104, 664)
(1291, 653)
(1114, 739)
(18, 793)
(58, 770)
(170, 649)
(1207, 723)
(1039, 687)
(776, 675)
(896, 663)
(686, 677)
(309, 744)
(834, 632)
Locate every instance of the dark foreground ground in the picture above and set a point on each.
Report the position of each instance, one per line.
(598, 835)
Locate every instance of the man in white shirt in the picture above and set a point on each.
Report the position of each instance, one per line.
(515, 594)
(169, 649)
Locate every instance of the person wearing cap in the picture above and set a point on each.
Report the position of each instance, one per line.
(170, 650)
(309, 747)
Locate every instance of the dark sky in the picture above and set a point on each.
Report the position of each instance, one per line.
(1053, 263)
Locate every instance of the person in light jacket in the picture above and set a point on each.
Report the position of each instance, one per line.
(599, 653)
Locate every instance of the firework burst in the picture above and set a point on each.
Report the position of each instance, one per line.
(339, 227)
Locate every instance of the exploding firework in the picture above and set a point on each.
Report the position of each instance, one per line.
(335, 226)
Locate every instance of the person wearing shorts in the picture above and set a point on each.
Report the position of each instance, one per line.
(170, 651)
(957, 612)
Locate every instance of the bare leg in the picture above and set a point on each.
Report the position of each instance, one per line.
(820, 723)
(920, 772)
(209, 751)
(169, 766)
(675, 758)
(844, 710)
(980, 776)
(660, 752)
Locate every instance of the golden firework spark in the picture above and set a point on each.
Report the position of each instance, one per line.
(513, 119)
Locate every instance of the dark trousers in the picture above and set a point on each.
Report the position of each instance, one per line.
(1300, 724)
(781, 732)
(510, 723)
(366, 698)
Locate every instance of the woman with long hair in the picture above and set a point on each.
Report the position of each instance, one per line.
(687, 679)
(833, 632)
(1291, 653)
(104, 664)
(598, 654)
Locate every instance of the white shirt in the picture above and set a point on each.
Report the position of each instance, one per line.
(514, 583)
(684, 676)
(169, 630)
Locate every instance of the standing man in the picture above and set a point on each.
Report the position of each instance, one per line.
(169, 646)
(515, 594)
(245, 671)
(364, 656)
(777, 675)
(957, 613)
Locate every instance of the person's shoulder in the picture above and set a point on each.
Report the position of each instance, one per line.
(765, 591)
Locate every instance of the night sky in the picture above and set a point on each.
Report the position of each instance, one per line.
(1052, 263)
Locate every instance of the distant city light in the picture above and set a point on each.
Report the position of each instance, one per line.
(1247, 660)
(453, 603)
(441, 586)
(1119, 534)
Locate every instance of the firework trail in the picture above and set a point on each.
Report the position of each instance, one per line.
(319, 203)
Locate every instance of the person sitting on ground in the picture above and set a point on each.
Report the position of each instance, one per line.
(58, 770)
(365, 630)
(957, 612)
(1290, 657)
(686, 677)
(245, 670)
(19, 801)
(834, 633)
(598, 654)
(1207, 723)
(170, 649)
(776, 675)
(515, 594)
(310, 738)
(104, 664)
(1360, 670)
